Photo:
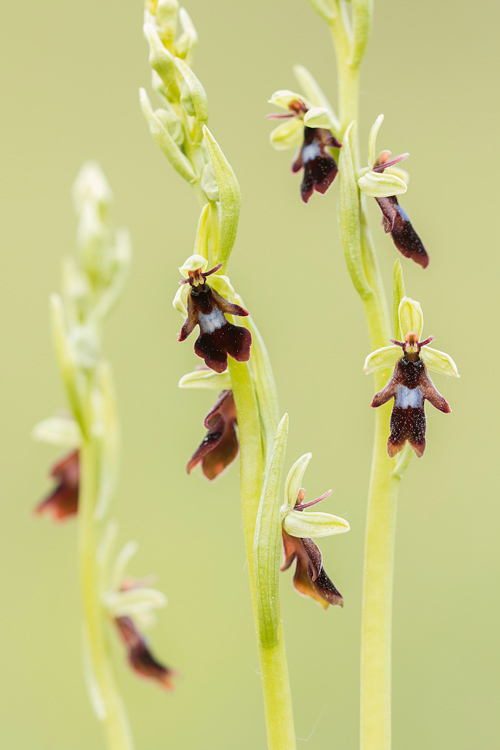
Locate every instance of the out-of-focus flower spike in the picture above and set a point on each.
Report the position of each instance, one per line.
(362, 13)
(166, 14)
(133, 601)
(66, 359)
(293, 481)
(206, 378)
(326, 9)
(382, 359)
(398, 292)
(411, 317)
(91, 185)
(109, 439)
(62, 502)
(313, 525)
(58, 430)
(230, 199)
(439, 362)
(315, 94)
(188, 40)
(163, 63)
(267, 540)
(140, 657)
(165, 140)
(122, 560)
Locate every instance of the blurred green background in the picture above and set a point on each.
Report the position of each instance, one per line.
(69, 84)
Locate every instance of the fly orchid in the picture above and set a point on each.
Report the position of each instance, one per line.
(310, 128)
(203, 305)
(410, 384)
(384, 181)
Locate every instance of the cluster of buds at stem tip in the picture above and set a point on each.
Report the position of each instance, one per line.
(410, 385)
(202, 303)
(310, 128)
(384, 181)
(299, 528)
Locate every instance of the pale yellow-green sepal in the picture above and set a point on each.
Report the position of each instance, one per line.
(318, 117)
(315, 93)
(288, 134)
(223, 286)
(284, 98)
(172, 123)
(58, 430)
(381, 185)
(193, 93)
(411, 317)
(188, 40)
(220, 381)
(372, 140)
(181, 298)
(162, 62)
(313, 525)
(133, 601)
(209, 183)
(439, 362)
(193, 263)
(294, 481)
(382, 359)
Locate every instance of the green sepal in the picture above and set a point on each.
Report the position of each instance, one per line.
(166, 13)
(220, 381)
(411, 317)
(209, 183)
(288, 134)
(382, 359)
(230, 199)
(163, 63)
(172, 123)
(349, 217)
(315, 94)
(439, 362)
(372, 140)
(362, 13)
(193, 94)
(294, 481)
(313, 525)
(318, 117)
(188, 40)
(398, 292)
(268, 541)
(165, 140)
(381, 184)
(58, 430)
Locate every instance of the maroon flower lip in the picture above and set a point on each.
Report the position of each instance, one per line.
(140, 657)
(219, 447)
(320, 168)
(409, 386)
(62, 503)
(218, 337)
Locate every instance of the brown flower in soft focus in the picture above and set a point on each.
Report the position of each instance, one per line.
(63, 501)
(219, 447)
(140, 657)
(310, 578)
(218, 337)
(396, 220)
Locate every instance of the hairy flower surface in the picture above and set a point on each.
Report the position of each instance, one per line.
(219, 447)
(63, 500)
(207, 308)
(320, 168)
(410, 385)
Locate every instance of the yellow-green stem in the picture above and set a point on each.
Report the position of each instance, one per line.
(114, 718)
(382, 495)
(273, 664)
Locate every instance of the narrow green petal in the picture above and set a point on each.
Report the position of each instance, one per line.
(382, 359)
(313, 525)
(439, 362)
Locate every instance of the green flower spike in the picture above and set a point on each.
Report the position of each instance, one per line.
(299, 529)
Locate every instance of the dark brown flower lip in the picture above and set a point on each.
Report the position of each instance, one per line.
(218, 337)
(310, 578)
(62, 503)
(219, 447)
(140, 657)
(410, 386)
(320, 168)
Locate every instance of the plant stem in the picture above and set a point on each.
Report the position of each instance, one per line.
(112, 712)
(382, 495)
(273, 665)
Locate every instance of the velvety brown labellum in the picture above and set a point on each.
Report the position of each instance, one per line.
(219, 447)
(397, 222)
(63, 501)
(140, 657)
(218, 337)
(320, 168)
(310, 578)
(409, 386)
